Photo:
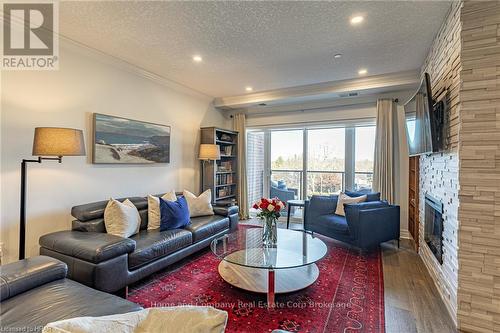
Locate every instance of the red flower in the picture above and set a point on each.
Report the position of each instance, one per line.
(255, 206)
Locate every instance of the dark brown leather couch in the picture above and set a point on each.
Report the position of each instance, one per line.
(110, 263)
(35, 292)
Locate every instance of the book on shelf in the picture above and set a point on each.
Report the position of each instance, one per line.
(224, 179)
(226, 150)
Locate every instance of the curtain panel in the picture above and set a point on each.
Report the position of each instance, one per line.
(239, 124)
(384, 165)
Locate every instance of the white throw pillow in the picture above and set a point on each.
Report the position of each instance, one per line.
(201, 205)
(121, 219)
(154, 216)
(345, 199)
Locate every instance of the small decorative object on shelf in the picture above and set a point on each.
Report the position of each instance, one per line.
(269, 213)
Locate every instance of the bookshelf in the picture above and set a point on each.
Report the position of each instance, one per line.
(222, 176)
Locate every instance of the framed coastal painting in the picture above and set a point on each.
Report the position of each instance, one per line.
(125, 141)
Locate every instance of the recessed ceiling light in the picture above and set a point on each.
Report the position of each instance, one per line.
(197, 58)
(362, 71)
(357, 19)
(338, 56)
(248, 89)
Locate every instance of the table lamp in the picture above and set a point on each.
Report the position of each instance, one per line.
(48, 141)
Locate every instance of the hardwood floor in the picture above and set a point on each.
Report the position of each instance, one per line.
(412, 302)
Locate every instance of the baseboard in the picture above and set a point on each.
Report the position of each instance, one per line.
(405, 234)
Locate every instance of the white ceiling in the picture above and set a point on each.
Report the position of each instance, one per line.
(266, 45)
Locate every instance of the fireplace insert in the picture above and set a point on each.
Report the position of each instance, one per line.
(433, 221)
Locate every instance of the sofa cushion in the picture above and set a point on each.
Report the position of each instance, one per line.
(334, 222)
(205, 226)
(57, 300)
(121, 218)
(174, 214)
(154, 244)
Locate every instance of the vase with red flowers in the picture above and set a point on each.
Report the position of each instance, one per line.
(269, 212)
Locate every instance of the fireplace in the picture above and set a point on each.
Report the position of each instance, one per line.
(434, 226)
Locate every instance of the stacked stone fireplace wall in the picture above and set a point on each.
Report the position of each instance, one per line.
(439, 173)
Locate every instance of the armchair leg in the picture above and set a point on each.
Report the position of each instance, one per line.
(398, 243)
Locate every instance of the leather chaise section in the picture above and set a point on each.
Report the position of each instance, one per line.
(154, 244)
(90, 246)
(24, 275)
(58, 300)
(205, 226)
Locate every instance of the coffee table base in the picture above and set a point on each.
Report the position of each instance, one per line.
(259, 280)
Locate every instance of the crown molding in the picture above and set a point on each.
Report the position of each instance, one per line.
(326, 90)
(124, 65)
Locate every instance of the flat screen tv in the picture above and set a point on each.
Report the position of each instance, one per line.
(424, 121)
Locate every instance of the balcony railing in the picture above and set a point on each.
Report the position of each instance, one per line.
(320, 182)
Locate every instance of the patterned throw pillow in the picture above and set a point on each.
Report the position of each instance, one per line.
(199, 205)
(154, 216)
(121, 218)
(345, 199)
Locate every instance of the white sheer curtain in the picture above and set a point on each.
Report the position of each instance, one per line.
(385, 149)
(239, 124)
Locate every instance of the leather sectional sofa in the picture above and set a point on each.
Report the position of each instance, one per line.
(35, 292)
(110, 263)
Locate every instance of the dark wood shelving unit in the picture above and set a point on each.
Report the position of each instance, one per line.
(221, 176)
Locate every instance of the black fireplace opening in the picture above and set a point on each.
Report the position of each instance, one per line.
(434, 226)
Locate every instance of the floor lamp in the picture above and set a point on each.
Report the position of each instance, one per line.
(208, 152)
(48, 141)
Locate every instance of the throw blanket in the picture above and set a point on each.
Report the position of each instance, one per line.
(181, 319)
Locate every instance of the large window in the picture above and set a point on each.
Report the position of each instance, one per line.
(298, 163)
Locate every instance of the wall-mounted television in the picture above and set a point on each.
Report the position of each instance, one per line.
(424, 121)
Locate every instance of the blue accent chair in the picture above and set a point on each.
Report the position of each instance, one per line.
(280, 191)
(365, 225)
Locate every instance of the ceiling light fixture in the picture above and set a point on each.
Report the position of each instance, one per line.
(357, 19)
(338, 56)
(197, 58)
(362, 71)
(249, 89)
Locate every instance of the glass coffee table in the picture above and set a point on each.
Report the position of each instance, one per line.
(290, 266)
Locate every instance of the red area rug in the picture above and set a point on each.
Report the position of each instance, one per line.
(347, 297)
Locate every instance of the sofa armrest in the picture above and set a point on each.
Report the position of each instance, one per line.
(23, 275)
(376, 225)
(226, 210)
(319, 205)
(93, 247)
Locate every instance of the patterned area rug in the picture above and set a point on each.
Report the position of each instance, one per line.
(347, 297)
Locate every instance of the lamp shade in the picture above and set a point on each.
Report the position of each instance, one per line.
(55, 141)
(209, 152)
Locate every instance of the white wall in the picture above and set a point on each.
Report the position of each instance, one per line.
(88, 82)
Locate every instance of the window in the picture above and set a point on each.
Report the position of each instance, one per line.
(287, 164)
(325, 161)
(298, 163)
(364, 157)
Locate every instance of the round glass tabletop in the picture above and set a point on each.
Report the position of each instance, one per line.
(244, 247)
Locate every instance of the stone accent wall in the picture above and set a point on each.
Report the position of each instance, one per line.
(439, 172)
(479, 152)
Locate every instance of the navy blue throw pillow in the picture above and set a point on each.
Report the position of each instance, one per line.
(370, 196)
(174, 214)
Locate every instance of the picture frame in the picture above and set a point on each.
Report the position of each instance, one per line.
(118, 140)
